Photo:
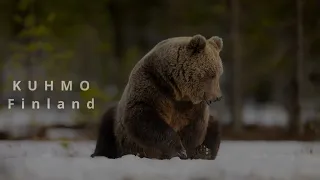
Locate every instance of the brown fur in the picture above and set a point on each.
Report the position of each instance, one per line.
(163, 111)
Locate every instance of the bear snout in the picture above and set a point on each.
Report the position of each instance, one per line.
(209, 102)
(218, 99)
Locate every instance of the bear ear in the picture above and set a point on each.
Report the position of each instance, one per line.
(197, 43)
(217, 41)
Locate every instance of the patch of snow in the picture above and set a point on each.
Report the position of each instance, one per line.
(62, 133)
(24, 122)
(264, 114)
(29, 160)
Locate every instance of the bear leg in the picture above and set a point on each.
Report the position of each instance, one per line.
(147, 128)
(193, 135)
(209, 148)
(106, 142)
(213, 138)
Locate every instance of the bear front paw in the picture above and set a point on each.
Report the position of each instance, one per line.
(182, 154)
(202, 152)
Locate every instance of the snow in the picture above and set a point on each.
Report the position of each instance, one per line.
(270, 114)
(29, 160)
(25, 122)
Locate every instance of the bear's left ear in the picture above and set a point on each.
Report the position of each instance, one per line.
(197, 43)
(217, 41)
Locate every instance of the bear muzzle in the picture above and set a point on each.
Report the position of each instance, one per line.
(209, 102)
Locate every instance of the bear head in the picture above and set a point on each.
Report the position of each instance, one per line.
(193, 65)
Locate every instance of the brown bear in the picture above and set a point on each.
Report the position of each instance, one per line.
(164, 109)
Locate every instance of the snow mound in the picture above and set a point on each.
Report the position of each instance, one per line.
(28, 160)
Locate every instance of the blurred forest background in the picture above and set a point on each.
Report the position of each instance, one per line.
(271, 59)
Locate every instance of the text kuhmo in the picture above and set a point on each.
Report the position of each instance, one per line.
(49, 85)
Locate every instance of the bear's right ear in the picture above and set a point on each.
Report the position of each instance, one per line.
(197, 43)
(217, 41)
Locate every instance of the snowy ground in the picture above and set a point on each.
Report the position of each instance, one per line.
(27, 160)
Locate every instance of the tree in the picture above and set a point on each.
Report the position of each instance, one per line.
(236, 56)
(296, 121)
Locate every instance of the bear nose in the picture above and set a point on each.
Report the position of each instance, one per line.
(218, 99)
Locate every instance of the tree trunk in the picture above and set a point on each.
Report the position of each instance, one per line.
(236, 79)
(296, 126)
(115, 9)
